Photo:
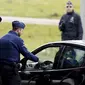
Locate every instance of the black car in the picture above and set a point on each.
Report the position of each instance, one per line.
(61, 63)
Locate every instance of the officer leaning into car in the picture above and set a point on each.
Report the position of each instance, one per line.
(11, 45)
(70, 24)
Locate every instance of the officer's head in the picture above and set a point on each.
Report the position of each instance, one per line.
(18, 27)
(69, 7)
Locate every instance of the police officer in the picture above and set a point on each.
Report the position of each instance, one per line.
(11, 45)
(70, 24)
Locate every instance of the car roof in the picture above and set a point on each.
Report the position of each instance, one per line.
(77, 42)
(70, 42)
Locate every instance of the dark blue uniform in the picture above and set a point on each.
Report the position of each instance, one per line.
(71, 27)
(10, 48)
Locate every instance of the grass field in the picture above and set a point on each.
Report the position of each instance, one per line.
(34, 35)
(35, 8)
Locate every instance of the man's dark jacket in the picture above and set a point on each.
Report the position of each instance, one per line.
(11, 45)
(71, 27)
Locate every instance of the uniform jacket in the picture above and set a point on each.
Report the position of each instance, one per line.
(71, 27)
(11, 45)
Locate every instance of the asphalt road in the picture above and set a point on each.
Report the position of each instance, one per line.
(42, 21)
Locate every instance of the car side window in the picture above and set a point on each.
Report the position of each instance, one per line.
(48, 54)
(73, 57)
(80, 56)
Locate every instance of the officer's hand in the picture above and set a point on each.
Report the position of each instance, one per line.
(38, 65)
(63, 24)
(0, 19)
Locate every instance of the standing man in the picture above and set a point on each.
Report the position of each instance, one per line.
(70, 24)
(11, 45)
